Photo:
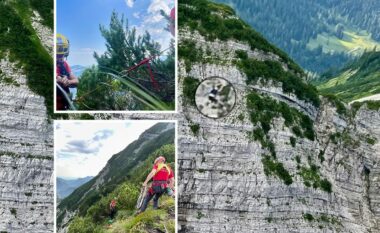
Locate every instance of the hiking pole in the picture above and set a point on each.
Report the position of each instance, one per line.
(140, 200)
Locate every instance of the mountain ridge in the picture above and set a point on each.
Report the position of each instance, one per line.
(66, 186)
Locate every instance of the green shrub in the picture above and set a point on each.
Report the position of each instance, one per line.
(241, 117)
(13, 211)
(320, 156)
(340, 108)
(241, 54)
(188, 51)
(308, 217)
(370, 140)
(293, 141)
(272, 167)
(194, 128)
(326, 185)
(189, 88)
(27, 52)
(200, 215)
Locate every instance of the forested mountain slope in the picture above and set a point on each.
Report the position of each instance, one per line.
(316, 34)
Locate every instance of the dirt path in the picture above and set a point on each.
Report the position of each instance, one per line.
(372, 97)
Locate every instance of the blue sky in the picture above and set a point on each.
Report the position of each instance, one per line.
(79, 22)
(82, 148)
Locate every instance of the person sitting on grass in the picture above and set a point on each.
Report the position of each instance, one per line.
(163, 181)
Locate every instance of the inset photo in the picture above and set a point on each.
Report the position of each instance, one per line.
(115, 56)
(115, 176)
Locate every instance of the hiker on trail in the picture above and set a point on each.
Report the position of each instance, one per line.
(163, 181)
(112, 208)
(64, 77)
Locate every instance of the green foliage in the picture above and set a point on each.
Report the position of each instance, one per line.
(194, 128)
(241, 117)
(275, 168)
(110, 86)
(188, 51)
(293, 141)
(200, 215)
(83, 225)
(311, 176)
(8, 80)
(263, 109)
(241, 54)
(308, 217)
(340, 108)
(189, 88)
(272, 70)
(371, 141)
(13, 211)
(326, 185)
(45, 9)
(356, 80)
(321, 156)
(217, 21)
(24, 49)
(371, 105)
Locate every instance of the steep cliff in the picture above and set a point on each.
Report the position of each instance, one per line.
(26, 135)
(284, 160)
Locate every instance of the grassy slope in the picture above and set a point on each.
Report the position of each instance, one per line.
(353, 42)
(357, 80)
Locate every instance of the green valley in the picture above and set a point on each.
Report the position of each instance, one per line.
(358, 79)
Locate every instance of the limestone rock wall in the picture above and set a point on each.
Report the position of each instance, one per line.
(26, 157)
(222, 185)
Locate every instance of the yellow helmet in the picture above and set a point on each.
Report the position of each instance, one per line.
(63, 45)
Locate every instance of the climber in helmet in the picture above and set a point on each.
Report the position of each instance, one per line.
(64, 77)
(163, 182)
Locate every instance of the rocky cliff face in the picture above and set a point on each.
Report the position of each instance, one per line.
(223, 186)
(26, 148)
(26, 156)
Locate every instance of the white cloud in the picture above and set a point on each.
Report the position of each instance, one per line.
(91, 144)
(83, 56)
(129, 3)
(137, 15)
(158, 5)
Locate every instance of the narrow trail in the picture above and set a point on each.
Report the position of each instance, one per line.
(372, 97)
